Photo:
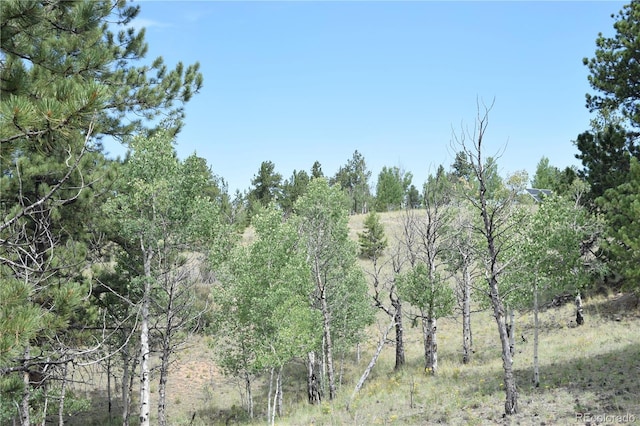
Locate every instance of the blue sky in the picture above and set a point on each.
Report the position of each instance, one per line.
(298, 81)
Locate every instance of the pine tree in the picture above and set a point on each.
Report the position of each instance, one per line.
(66, 81)
(372, 241)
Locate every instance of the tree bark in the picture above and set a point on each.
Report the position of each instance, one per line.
(372, 363)
(430, 345)
(145, 389)
(127, 383)
(328, 345)
(579, 313)
(313, 388)
(397, 317)
(279, 410)
(511, 394)
(26, 392)
(162, 386)
(247, 382)
(512, 332)
(466, 317)
(63, 390)
(493, 215)
(536, 326)
(109, 397)
(270, 406)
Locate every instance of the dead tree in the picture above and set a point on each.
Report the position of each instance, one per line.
(494, 214)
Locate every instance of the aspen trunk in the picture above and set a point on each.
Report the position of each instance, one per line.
(270, 409)
(431, 346)
(279, 410)
(466, 317)
(579, 313)
(26, 392)
(247, 383)
(328, 346)
(400, 359)
(162, 386)
(129, 364)
(109, 397)
(313, 388)
(274, 405)
(512, 332)
(63, 390)
(536, 326)
(145, 389)
(511, 394)
(372, 363)
(45, 406)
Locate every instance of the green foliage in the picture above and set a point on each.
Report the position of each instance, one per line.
(21, 320)
(622, 210)
(316, 170)
(391, 189)
(322, 220)
(546, 176)
(293, 189)
(372, 241)
(605, 156)
(266, 187)
(615, 67)
(68, 78)
(561, 182)
(429, 292)
(437, 189)
(551, 250)
(264, 317)
(413, 197)
(353, 178)
(65, 68)
(461, 167)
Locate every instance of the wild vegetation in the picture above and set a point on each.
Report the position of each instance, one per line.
(137, 291)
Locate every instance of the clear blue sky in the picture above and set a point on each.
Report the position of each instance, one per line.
(295, 82)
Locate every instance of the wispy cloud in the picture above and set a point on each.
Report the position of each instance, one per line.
(196, 15)
(140, 23)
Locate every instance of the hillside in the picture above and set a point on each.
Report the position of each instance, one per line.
(590, 369)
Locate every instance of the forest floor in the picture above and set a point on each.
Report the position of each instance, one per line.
(589, 374)
(591, 371)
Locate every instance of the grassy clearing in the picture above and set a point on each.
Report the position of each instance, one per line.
(592, 369)
(589, 369)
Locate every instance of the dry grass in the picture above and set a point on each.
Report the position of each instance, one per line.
(593, 369)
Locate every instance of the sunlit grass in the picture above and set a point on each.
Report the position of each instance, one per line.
(593, 368)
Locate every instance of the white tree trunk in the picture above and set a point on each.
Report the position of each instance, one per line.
(162, 386)
(126, 385)
(511, 400)
(431, 345)
(26, 392)
(63, 390)
(270, 418)
(536, 326)
(400, 358)
(328, 345)
(145, 382)
(579, 314)
(247, 382)
(313, 387)
(372, 363)
(512, 332)
(466, 317)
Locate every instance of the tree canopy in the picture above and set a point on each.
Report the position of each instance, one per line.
(615, 68)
